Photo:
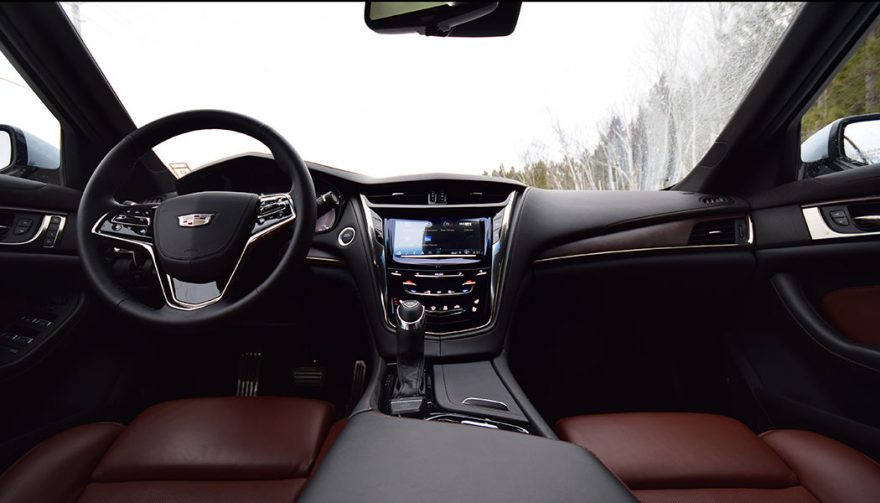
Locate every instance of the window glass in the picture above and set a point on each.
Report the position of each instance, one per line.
(29, 144)
(841, 129)
(582, 95)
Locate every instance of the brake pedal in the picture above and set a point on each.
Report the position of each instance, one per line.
(358, 381)
(248, 374)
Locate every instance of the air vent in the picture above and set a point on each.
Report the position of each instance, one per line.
(729, 231)
(716, 200)
(420, 198)
(154, 200)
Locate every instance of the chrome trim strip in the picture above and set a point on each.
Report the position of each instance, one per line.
(377, 254)
(750, 241)
(312, 258)
(169, 284)
(40, 231)
(819, 228)
(481, 424)
(462, 417)
(478, 399)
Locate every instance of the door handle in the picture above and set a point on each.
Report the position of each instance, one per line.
(867, 221)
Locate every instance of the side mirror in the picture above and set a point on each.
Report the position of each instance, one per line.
(25, 155)
(847, 143)
(482, 19)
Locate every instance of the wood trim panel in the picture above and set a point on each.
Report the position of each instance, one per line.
(663, 236)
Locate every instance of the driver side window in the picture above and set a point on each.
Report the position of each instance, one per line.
(30, 136)
(841, 130)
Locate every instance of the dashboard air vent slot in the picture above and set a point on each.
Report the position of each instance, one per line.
(154, 200)
(728, 231)
(450, 197)
(716, 200)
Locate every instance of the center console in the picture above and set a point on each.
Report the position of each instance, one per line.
(449, 257)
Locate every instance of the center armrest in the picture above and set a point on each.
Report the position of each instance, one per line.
(383, 458)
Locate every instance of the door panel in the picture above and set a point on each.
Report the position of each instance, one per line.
(810, 348)
(854, 314)
(803, 312)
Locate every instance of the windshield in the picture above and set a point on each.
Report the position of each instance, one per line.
(580, 96)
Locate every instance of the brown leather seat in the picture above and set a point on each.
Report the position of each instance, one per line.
(207, 449)
(683, 457)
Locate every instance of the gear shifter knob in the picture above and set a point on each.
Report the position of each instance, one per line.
(411, 315)
(410, 354)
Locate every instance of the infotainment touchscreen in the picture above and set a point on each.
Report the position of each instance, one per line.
(438, 238)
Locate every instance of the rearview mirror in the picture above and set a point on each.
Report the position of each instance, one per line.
(25, 155)
(847, 143)
(455, 19)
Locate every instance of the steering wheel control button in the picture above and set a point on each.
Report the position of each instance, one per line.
(346, 236)
(273, 211)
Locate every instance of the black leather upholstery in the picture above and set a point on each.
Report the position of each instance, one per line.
(380, 458)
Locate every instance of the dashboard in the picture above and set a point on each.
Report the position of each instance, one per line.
(465, 245)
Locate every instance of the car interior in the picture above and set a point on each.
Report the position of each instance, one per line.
(267, 328)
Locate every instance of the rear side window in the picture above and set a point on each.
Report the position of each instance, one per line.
(30, 136)
(841, 130)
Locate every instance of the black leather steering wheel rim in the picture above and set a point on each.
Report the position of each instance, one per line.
(98, 199)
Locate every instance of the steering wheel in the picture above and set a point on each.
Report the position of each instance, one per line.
(197, 242)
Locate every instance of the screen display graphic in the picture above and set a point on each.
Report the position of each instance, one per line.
(442, 238)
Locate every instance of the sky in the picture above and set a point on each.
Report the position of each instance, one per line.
(383, 105)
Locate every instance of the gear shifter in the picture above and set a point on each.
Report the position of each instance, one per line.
(409, 391)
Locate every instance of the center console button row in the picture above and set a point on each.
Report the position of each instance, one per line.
(438, 275)
(438, 293)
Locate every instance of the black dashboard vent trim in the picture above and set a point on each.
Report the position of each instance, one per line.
(716, 200)
(417, 198)
(154, 200)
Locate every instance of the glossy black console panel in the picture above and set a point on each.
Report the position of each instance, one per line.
(382, 458)
(475, 389)
(468, 394)
(448, 257)
(454, 299)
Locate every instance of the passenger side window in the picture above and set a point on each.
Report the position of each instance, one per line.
(30, 136)
(841, 130)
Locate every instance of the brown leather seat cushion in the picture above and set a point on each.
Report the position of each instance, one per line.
(211, 449)
(700, 457)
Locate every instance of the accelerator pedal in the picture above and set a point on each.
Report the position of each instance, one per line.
(358, 381)
(248, 374)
